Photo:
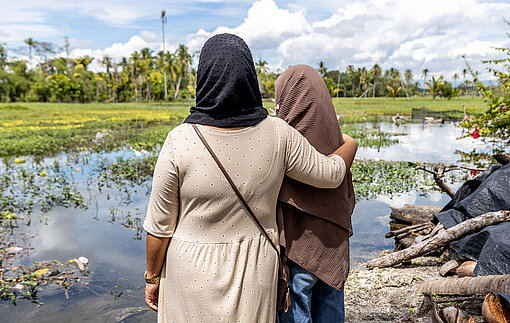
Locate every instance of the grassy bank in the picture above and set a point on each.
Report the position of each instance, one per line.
(356, 110)
(47, 128)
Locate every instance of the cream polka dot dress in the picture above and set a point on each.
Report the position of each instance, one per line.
(219, 268)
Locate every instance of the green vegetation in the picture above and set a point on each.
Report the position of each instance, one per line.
(43, 129)
(146, 76)
(495, 122)
(351, 110)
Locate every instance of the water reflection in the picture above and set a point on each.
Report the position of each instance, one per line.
(424, 143)
(116, 252)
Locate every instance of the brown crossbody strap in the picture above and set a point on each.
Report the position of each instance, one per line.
(234, 187)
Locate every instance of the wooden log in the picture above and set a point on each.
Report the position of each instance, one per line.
(452, 314)
(426, 229)
(442, 238)
(428, 311)
(394, 225)
(467, 285)
(404, 243)
(414, 214)
(406, 229)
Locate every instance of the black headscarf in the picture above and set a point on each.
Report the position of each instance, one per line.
(228, 93)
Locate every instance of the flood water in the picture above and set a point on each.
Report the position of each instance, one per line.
(117, 254)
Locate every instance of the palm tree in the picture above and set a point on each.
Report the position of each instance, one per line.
(408, 77)
(364, 80)
(107, 63)
(393, 88)
(163, 23)
(31, 44)
(435, 86)
(376, 69)
(338, 84)
(323, 70)
(184, 60)
(261, 69)
(425, 72)
(134, 71)
(350, 74)
(146, 65)
(455, 78)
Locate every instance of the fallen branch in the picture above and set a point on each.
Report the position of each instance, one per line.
(438, 170)
(407, 229)
(442, 238)
(415, 231)
(467, 285)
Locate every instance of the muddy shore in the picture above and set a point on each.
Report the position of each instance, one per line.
(385, 295)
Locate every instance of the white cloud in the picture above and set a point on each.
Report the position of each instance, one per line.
(412, 34)
(264, 27)
(401, 33)
(146, 39)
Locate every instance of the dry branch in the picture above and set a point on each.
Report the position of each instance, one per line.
(442, 238)
(438, 170)
(407, 229)
(467, 285)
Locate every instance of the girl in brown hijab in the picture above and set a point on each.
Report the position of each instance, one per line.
(314, 224)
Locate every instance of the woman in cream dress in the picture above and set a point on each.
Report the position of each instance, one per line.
(215, 265)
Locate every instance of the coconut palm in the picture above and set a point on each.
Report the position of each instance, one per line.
(163, 66)
(107, 63)
(408, 77)
(31, 44)
(376, 70)
(434, 86)
(393, 88)
(351, 74)
(425, 72)
(323, 70)
(133, 60)
(184, 61)
(455, 78)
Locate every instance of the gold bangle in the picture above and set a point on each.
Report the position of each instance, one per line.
(153, 279)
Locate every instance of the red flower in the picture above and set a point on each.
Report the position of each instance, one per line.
(476, 134)
(474, 173)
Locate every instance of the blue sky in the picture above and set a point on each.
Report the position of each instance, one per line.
(431, 34)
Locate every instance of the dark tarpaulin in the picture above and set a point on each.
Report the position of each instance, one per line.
(490, 247)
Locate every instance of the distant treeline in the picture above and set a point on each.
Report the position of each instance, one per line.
(165, 76)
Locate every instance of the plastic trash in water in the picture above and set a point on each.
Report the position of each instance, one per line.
(41, 271)
(82, 262)
(14, 249)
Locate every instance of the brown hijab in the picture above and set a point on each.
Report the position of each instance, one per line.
(304, 103)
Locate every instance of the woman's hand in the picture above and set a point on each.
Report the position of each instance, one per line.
(347, 151)
(151, 296)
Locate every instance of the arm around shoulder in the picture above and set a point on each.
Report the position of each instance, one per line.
(347, 151)
(305, 164)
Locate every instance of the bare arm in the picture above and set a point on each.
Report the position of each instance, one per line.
(156, 250)
(161, 218)
(347, 151)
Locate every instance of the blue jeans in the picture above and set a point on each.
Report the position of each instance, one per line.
(312, 299)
